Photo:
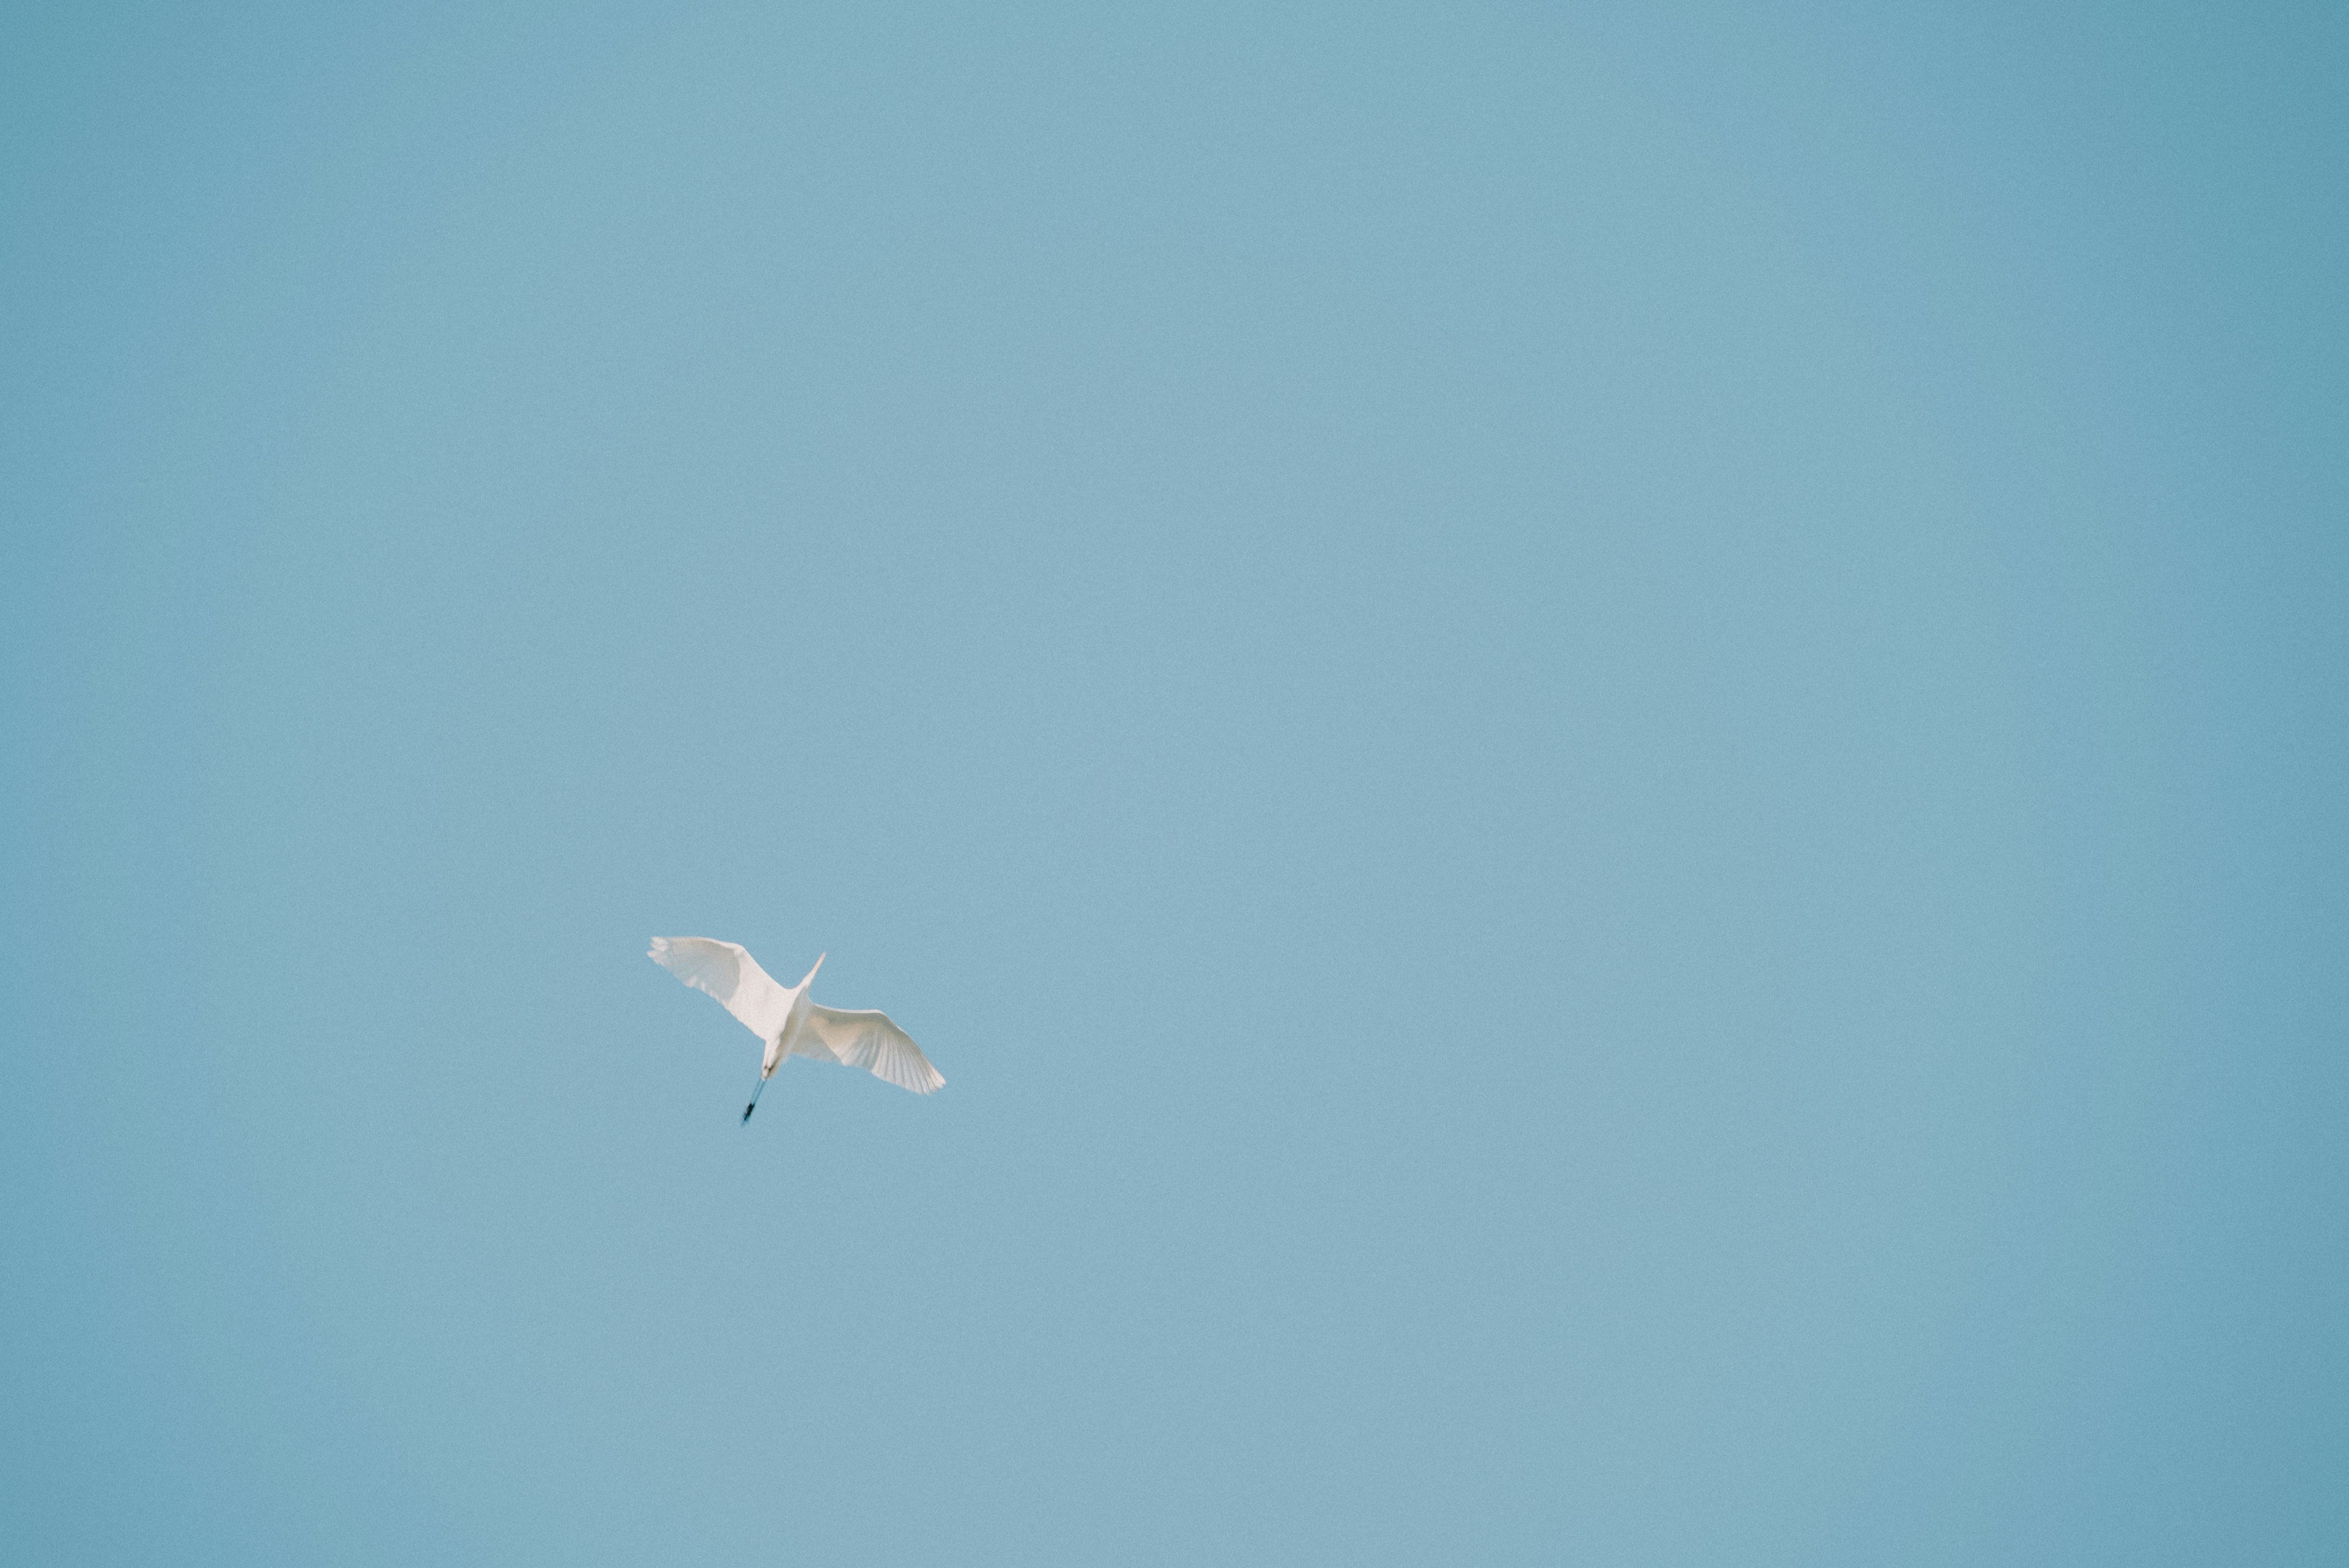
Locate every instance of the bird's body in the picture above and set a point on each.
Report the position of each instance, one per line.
(788, 1022)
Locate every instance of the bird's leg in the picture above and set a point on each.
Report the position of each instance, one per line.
(754, 1097)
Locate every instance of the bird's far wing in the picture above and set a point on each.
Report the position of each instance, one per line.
(871, 1041)
(729, 973)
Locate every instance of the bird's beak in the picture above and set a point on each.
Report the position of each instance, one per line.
(811, 974)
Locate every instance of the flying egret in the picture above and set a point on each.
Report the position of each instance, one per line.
(789, 1024)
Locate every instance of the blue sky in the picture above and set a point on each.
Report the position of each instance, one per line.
(1603, 743)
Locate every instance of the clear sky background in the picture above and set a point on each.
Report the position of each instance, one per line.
(1605, 744)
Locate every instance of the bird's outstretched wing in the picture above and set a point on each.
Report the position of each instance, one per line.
(729, 973)
(867, 1040)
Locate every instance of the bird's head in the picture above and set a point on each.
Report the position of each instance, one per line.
(811, 974)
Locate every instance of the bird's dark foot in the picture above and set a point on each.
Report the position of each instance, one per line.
(748, 1109)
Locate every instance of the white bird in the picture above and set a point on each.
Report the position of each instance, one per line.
(789, 1024)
